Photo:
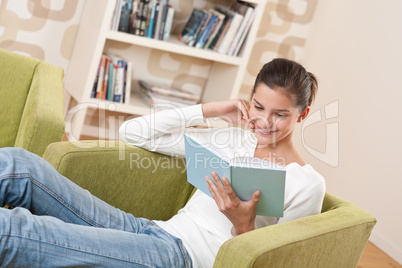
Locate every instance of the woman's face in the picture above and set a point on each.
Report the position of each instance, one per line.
(274, 116)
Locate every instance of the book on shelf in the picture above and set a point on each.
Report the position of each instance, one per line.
(127, 83)
(136, 23)
(143, 18)
(118, 88)
(167, 25)
(202, 26)
(247, 12)
(94, 92)
(189, 34)
(116, 16)
(221, 18)
(245, 174)
(158, 20)
(100, 76)
(134, 17)
(113, 80)
(233, 27)
(164, 97)
(244, 34)
(219, 32)
(148, 18)
(106, 79)
(151, 19)
(207, 30)
(125, 14)
(222, 29)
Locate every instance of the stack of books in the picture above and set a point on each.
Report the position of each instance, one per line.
(166, 97)
(149, 18)
(113, 80)
(222, 29)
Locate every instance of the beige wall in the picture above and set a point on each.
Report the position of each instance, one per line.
(355, 49)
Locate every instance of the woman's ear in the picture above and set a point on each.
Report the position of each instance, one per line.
(303, 114)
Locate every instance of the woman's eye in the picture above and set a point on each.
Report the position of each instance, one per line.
(281, 115)
(258, 108)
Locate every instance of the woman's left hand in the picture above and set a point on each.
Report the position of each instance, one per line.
(241, 213)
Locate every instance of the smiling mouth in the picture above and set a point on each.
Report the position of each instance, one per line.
(265, 131)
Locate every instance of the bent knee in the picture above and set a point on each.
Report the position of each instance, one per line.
(12, 152)
(9, 156)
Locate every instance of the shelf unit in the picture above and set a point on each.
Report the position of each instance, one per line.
(94, 38)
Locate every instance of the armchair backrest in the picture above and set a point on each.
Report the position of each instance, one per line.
(16, 73)
(31, 102)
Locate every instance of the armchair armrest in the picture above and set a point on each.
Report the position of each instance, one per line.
(140, 182)
(334, 238)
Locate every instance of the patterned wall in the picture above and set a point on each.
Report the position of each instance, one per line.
(46, 29)
(282, 33)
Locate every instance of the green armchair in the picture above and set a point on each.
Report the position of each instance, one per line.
(154, 186)
(31, 103)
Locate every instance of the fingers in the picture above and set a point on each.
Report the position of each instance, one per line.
(241, 213)
(256, 197)
(219, 184)
(246, 120)
(229, 190)
(215, 192)
(221, 190)
(251, 126)
(244, 108)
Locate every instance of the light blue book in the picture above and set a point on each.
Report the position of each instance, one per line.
(109, 94)
(245, 174)
(152, 19)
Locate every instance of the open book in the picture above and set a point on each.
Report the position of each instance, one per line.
(245, 174)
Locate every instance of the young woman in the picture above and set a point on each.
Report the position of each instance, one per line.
(53, 224)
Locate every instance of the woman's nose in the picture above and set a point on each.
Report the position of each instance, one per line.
(266, 121)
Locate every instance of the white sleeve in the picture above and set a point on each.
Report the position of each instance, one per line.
(304, 193)
(304, 205)
(162, 131)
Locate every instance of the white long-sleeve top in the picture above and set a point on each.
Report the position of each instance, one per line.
(200, 224)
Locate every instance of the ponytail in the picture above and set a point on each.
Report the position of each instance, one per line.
(313, 88)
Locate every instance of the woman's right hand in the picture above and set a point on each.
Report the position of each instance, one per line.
(232, 111)
(241, 213)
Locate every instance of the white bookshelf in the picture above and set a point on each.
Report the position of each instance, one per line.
(173, 46)
(94, 37)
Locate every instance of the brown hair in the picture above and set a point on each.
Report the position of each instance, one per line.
(290, 77)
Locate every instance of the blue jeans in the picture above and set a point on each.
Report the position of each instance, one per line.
(56, 223)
